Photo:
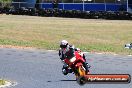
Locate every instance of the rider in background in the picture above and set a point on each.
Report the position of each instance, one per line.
(67, 51)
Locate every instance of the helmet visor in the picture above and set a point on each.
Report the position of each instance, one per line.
(63, 46)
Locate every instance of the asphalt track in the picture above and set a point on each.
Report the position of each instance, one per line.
(42, 69)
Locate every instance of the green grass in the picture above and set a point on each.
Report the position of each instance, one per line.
(47, 32)
(2, 82)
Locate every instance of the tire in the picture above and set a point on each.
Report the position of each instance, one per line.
(81, 80)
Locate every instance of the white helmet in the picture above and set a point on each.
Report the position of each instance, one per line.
(63, 44)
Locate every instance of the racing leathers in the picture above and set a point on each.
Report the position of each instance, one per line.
(68, 52)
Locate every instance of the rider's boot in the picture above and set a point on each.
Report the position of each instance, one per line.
(86, 66)
(66, 70)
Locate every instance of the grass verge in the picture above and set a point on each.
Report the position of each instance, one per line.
(46, 33)
(2, 82)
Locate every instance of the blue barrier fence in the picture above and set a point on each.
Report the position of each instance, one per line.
(87, 6)
(130, 6)
(78, 6)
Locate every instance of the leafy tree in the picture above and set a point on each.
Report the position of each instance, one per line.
(5, 3)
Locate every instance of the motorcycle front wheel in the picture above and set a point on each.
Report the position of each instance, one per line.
(81, 80)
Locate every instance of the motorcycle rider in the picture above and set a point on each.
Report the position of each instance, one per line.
(67, 51)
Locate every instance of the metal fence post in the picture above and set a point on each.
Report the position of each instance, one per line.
(62, 5)
(19, 4)
(83, 6)
(127, 5)
(105, 4)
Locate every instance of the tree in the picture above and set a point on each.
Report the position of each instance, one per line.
(5, 3)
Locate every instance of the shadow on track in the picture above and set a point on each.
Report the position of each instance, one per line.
(67, 80)
(62, 81)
